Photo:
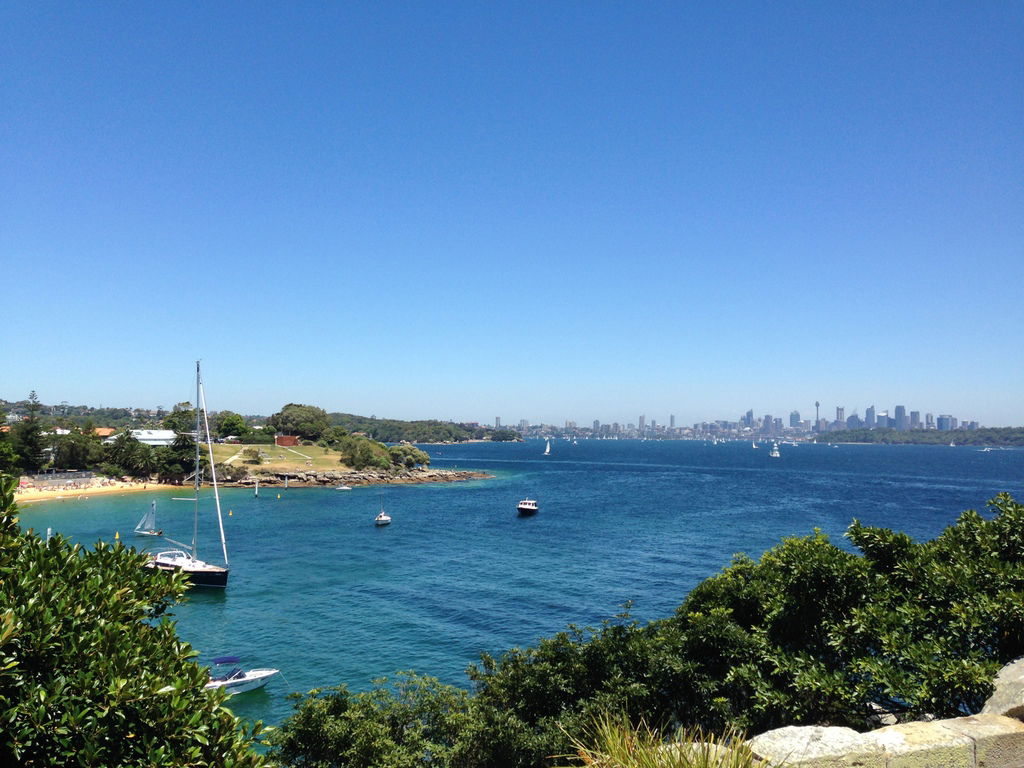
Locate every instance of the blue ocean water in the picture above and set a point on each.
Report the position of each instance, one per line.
(322, 594)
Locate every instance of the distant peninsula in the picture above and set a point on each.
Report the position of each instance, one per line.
(989, 437)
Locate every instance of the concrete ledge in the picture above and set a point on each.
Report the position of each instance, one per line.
(978, 741)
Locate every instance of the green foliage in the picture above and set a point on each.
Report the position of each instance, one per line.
(8, 458)
(228, 423)
(305, 421)
(90, 672)
(809, 634)
(27, 438)
(988, 436)
(505, 436)
(612, 741)
(253, 456)
(410, 721)
(182, 418)
(395, 431)
(408, 456)
(79, 449)
(361, 452)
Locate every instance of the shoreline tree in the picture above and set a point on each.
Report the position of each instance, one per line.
(91, 669)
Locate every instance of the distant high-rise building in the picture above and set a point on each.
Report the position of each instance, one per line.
(748, 418)
(840, 414)
(854, 422)
(597, 425)
(766, 423)
(929, 421)
(882, 420)
(777, 425)
(794, 418)
(524, 424)
(869, 417)
(945, 422)
(817, 416)
(915, 419)
(672, 422)
(641, 422)
(497, 422)
(901, 419)
(654, 425)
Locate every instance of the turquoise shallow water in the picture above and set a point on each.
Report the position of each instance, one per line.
(319, 592)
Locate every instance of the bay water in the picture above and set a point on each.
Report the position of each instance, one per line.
(319, 592)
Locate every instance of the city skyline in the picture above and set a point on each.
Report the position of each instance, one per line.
(553, 211)
(901, 418)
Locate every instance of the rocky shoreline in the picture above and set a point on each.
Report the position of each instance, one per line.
(357, 477)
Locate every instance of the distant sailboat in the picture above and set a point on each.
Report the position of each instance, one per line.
(147, 525)
(753, 444)
(547, 448)
(383, 518)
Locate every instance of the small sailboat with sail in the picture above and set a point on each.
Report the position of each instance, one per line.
(547, 448)
(186, 560)
(147, 525)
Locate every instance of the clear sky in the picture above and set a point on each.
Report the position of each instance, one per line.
(552, 210)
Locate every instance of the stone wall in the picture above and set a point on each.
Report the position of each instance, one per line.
(994, 738)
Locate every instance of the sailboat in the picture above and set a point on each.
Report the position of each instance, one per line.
(383, 518)
(753, 445)
(186, 560)
(147, 525)
(547, 448)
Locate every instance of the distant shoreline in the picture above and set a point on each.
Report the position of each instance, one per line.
(296, 479)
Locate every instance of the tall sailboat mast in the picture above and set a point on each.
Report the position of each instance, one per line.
(213, 475)
(196, 480)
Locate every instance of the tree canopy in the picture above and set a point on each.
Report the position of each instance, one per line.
(91, 670)
(306, 421)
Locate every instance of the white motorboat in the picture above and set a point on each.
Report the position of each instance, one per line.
(232, 679)
(774, 452)
(527, 507)
(343, 488)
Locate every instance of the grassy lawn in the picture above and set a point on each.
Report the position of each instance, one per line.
(276, 459)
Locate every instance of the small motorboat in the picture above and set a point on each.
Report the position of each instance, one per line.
(343, 488)
(382, 518)
(232, 679)
(527, 507)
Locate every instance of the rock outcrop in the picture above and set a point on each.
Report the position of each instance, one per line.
(992, 739)
(359, 477)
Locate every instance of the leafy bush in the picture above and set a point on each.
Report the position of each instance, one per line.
(91, 671)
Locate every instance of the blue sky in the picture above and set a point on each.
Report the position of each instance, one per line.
(551, 211)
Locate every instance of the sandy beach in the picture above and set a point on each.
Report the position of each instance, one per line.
(98, 487)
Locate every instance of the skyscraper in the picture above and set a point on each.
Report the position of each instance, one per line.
(840, 414)
(641, 422)
(497, 422)
(901, 419)
(915, 419)
(869, 417)
(672, 422)
(597, 425)
(794, 418)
